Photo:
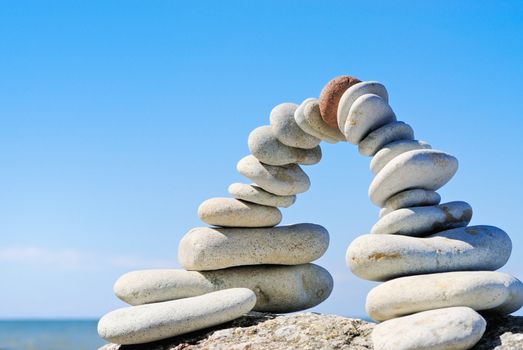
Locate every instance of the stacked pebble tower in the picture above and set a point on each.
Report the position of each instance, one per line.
(437, 270)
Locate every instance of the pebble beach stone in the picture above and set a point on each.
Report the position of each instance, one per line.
(283, 180)
(422, 221)
(383, 257)
(427, 169)
(368, 113)
(417, 197)
(388, 133)
(269, 150)
(206, 248)
(285, 128)
(277, 288)
(455, 328)
(303, 123)
(355, 91)
(393, 149)
(147, 323)
(330, 97)
(256, 194)
(494, 292)
(312, 115)
(231, 212)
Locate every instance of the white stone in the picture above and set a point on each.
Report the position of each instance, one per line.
(383, 257)
(427, 169)
(393, 149)
(311, 113)
(417, 197)
(285, 180)
(493, 292)
(380, 137)
(384, 211)
(287, 130)
(231, 212)
(368, 113)
(269, 150)
(422, 221)
(206, 248)
(303, 123)
(256, 194)
(352, 93)
(151, 322)
(455, 328)
(278, 288)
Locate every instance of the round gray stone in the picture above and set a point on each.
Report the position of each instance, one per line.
(303, 123)
(256, 194)
(312, 114)
(206, 248)
(383, 257)
(380, 137)
(285, 180)
(287, 130)
(393, 149)
(422, 221)
(417, 197)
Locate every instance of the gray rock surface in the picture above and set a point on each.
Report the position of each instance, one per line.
(255, 194)
(306, 125)
(380, 137)
(287, 130)
(416, 197)
(393, 149)
(312, 115)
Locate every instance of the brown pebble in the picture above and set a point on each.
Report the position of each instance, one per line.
(330, 97)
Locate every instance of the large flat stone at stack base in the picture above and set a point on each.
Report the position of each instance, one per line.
(278, 288)
(256, 194)
(427, 169)
(151, 322)
(312, 114)
(285, 128)
(231, 212)
(392, 150)
(422, 221)
(206, 248)
(494, 292)
(386, 134)
(455, 328)
(269, 150)
(286, 180)
(383, 257)
(303, 123)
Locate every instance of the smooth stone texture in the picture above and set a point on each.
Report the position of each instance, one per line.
(284, 127)
(384, 211)
(427, 169)
(277, 288)
(256, 194)
(231, 212)
(206, 248)
(330, 97)
(388, 133)
(269, 150)
(151, 322)
(422, 221)
(352, 93)
(303, 123)
(368, 113)
(455, 328)
(417, 197)
(283, 180)
(495, 292)
(312, 115)
(392, 150)
(383, 257)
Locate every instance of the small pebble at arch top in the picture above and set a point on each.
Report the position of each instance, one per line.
(306, 124)
(287, 130)
(330, 97)
(312, 114)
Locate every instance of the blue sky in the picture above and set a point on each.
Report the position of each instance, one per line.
(118, 118)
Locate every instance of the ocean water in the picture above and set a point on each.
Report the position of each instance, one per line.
(49, 335)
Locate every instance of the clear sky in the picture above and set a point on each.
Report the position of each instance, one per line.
(118, 118)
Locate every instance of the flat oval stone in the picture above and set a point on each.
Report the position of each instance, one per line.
(455, 328)
(417, 197)
(422, 221)
(352, 93)
(383, 257)
(284, 127)
(427, 169)
(388, 133)
(231, 212)
(330, 97)
(494, 292)
(151, 322)
(278, 288)
(285, 180)
(256, 194)
(393, 149)
(311, 113)
(303, 123)
(207, 248)
(368, 113)
(269, 150)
